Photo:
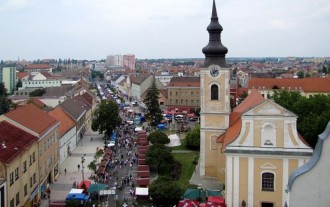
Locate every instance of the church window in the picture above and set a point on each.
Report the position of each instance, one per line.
(268, 135)
(192, 102)
(192, 93)
(171, 93)
(181, 101)
(176, 101)
(267, 181)
(214, 92)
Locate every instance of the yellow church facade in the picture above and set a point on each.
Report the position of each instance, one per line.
(253, 148)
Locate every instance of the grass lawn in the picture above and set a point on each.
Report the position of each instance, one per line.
(186, 159)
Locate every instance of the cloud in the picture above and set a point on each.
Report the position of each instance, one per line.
(14, 4)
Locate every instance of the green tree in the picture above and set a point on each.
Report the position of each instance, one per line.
(5, 103)
(325, 69)
(106, 117)
(313, 112)
(92, 166)
(18, 84)
(193, 139)
(37, 92)
(154, 114)
(159, 156)
(165, 192)
(301, 74)
(158, 137)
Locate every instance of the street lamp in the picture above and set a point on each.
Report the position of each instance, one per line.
(82, 166)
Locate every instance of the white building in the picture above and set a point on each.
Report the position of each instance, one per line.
(9, 78)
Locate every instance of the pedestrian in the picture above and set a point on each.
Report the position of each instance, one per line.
(91, 139)
(65, 171)
(78, 167)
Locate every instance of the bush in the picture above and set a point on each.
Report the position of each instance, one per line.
(175, 171)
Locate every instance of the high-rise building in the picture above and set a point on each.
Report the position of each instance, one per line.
(9, 78)
(129, 61)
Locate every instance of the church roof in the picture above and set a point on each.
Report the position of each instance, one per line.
(235, 121)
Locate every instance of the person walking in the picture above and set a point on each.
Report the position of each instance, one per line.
(78, 167)
(65, 171)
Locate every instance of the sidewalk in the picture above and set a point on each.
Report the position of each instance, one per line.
(63, 183)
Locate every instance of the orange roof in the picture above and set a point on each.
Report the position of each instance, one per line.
(235, 121)
(33, 118)
(38, 66)
(305, 84)
(184, 82)
(253, 99)
(37, 102)
(21, 75)
(66, 123)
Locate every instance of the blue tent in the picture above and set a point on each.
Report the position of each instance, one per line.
(77, 196)
(113, 136)
(142, 119)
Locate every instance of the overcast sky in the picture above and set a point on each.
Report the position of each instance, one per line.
(93, 29)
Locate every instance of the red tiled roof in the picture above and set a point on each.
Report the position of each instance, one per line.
(305, 84)
(33, 118)
(66, 123)
(38, 66)
(143, 181)
(253, 99)
(143, 174)
(184, 82)
(16, 141)
(37, 102)
(21, 75)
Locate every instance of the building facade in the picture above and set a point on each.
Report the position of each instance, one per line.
(183, 94)
(9, 78)
(46, 129)
(18, 166)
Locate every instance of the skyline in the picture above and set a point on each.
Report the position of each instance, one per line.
(82, 29)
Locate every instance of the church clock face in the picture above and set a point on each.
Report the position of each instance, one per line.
(214, 71)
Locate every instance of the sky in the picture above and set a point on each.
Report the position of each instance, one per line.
(93, 29)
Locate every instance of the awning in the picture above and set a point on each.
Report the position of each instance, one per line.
(75, 190)
(96, 187)
(111, 191)
(141, 191)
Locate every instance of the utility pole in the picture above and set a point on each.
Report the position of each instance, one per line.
(82, 166)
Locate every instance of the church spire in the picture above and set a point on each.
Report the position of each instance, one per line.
(215, 52)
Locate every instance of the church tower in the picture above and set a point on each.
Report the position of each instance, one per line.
(215, 100)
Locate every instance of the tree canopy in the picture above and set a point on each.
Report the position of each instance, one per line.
(158, 137)
(4, 101)
(159, 156)
(313, 112)
(154, 114)
(193, 139)
(106, 117)
(165, 192)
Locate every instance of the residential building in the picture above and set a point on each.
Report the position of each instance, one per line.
(46, 129)
(67, 132)
(42, 80)
(33, 69)
(252, 149)
(77, 112)
(164, 78)
(183, 94)
(18, 166)
(306, 86)
(9, 78)
(138, 84)
(129, 61)
(115, 61)
(100, 66)
(309, 184)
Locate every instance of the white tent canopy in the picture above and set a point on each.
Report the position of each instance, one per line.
(76, 191)
(141, 191)
(137, 129)
(174, 140)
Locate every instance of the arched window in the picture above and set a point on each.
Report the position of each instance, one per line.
(267, 181)
(214, 92)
